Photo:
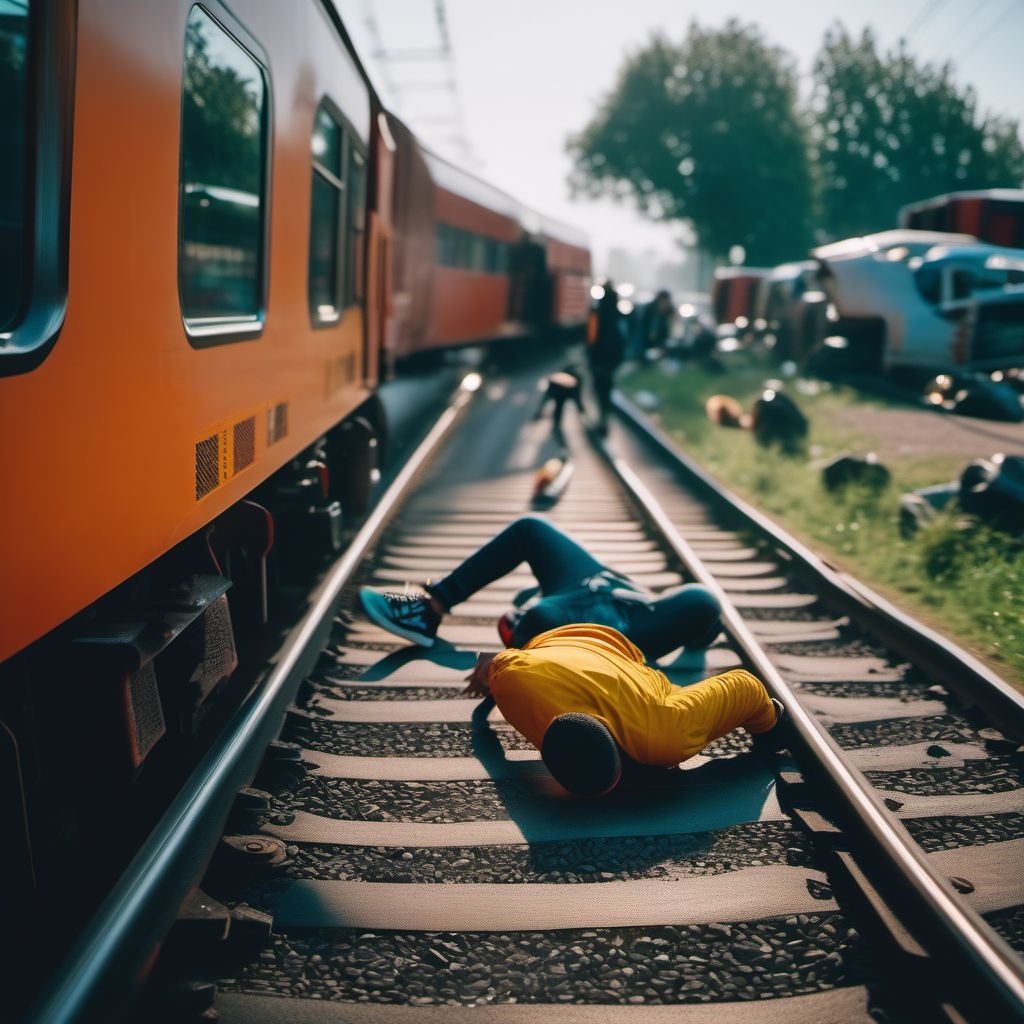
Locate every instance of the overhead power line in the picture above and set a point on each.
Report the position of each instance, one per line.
(928, 11)
(441, 57)
(1009, 10)
(972, 16)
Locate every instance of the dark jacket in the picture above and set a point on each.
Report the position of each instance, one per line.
(608, 347)
(605, 598)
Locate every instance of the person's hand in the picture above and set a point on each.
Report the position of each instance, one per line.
(478, 679)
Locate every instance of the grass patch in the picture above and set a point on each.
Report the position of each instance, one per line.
(957, 575)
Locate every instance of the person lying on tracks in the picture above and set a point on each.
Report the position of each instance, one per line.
(583, 695)
(575, 681)
(573, 586)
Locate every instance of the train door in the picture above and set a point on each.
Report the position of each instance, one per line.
(530, 292)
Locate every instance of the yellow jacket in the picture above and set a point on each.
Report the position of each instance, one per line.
(596, 670)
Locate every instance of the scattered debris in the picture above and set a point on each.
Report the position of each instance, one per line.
(704, 340)
(647, 400)
(725, 411)
(848, 469)
(776, 418)
(976, 394)
(962, 885)
(996, 742)
(994, 489)
(1013, 378)
(550, 482)
(921, 507)
(991, 489)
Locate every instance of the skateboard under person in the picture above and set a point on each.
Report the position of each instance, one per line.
(575, 681)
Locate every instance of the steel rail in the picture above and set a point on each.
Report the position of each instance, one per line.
(971, 680)
(984, 971)
(108, 965)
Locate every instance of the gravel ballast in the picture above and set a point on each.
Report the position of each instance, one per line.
(1010, 925)
(993, 775)
(952, 831)
(896, 731)
(379, 691)
(585, 860)
(845, 647)
(893, 689)
(436, 739)
(775, 957)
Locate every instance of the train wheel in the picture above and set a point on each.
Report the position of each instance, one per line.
(354, 461)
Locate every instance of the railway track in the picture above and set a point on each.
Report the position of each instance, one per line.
(431, 868)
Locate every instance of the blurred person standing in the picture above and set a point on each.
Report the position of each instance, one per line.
(606, 346)
(654, 324)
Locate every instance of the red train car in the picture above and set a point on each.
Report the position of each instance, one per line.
(454, 235)
(567, 259)
(472, 264)
(993, 215)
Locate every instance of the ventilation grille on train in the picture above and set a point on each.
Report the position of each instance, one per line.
(277, 423)
(224, 453)
(145, 712)
(207, 465)
(244, 443)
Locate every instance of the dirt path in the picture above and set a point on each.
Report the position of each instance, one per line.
(920, 432)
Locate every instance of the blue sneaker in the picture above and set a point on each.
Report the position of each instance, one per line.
(409, 616)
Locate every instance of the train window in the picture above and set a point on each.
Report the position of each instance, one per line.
(13, 206)
(462, 244)
(223, 184)
(443, 245)
(466, 250)
(325, 255)
(356, 224)
(478, 253)
(37, 76)
(501, 263)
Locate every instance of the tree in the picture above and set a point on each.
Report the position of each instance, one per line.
(889, 131)
(221, 112)
(706, 131)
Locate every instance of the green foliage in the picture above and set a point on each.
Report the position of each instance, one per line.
(221, 111)
(889, 131)
(962, 577)
(710, 131)
(706, 131)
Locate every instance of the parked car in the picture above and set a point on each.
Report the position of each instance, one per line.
(781, 306)
(921, 300)
(733, 299)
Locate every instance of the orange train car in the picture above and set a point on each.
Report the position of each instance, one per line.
(189, 330)
(211, 233)
(207, 338)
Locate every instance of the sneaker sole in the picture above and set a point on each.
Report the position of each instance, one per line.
(387, 624)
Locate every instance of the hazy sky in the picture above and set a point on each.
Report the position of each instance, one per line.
(530, 72)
